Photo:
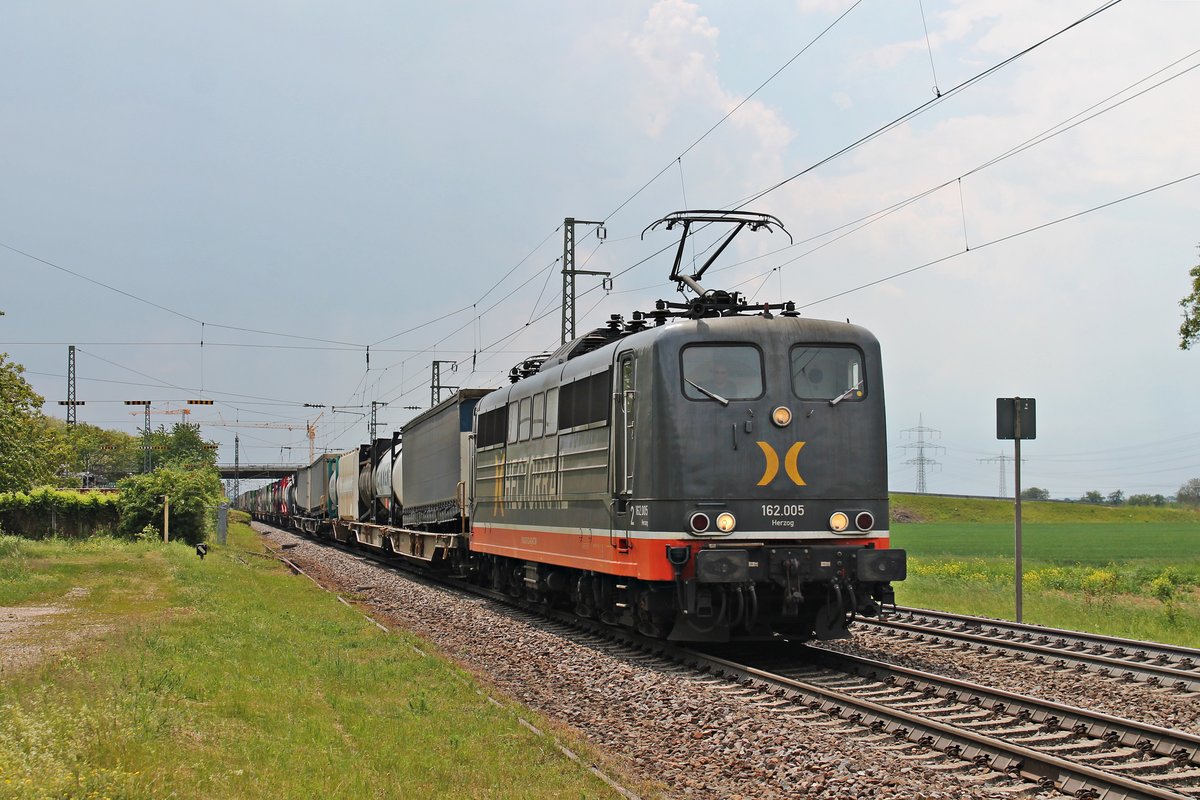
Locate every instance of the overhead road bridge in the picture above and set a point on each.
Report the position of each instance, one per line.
(250, 472)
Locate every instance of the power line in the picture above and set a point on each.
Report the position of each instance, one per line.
(162, 385)
(229, 344)
(1046, 135)
(921, 109)
(733, 111)
(1029, 230)
(159, 306)
(481, 297)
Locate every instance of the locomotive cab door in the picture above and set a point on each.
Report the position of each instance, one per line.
(624, 431)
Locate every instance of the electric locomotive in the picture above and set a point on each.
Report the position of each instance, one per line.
(723, 476)
(706, 471)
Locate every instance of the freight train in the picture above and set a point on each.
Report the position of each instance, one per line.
(710, 470)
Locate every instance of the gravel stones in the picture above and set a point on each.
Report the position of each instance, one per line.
(696, 736)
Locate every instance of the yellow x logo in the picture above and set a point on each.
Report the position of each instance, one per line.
(789, 464)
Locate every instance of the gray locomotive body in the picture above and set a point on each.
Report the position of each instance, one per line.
(711, 478)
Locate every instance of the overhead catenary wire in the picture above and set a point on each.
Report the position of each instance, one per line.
(483, 296)
(731, 112)
(929, 48)
(884, 129)
(926, 106)
(1000, 239)
(1044, 136)
(164, 385)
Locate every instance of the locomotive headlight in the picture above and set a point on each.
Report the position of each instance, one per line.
(699, 522)
(864, 520)
(838, 522)
(782, 416)
(726, 522)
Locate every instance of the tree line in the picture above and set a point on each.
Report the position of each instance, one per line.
(37, 450)
(1188, 495)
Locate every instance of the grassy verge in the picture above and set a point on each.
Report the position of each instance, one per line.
(1126, 615)
(1137, 579)
(232, 678)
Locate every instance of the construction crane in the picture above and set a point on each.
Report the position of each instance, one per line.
(310, 429)
(168, 410)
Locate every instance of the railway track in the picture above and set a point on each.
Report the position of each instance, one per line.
(1037, 745)
(1073, 750)
(1025, 744)
(1173, 667)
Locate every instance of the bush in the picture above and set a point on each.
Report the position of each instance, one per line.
(1165, 589)
(1099, 584)
(191, 492)
(45, 512)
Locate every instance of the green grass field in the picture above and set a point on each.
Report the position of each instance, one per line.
(165, 676)
(1122, 571)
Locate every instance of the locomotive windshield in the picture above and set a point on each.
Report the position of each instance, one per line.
(827, 373)
(731, 372)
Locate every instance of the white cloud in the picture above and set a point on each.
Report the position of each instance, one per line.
(676, 51)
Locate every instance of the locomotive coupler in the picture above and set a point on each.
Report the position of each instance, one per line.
(887, 597)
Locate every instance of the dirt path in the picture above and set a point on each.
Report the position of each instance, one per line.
(29, 634)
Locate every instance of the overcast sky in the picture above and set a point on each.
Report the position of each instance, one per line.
(289, 183)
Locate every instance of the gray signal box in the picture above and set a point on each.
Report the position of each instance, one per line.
(1006, 417)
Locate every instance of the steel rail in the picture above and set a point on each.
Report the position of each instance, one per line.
(1184, 679)
(1044, 768)
(1180, 746)
(1188, 657)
